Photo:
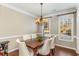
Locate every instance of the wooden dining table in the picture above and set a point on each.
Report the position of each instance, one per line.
(34, 45)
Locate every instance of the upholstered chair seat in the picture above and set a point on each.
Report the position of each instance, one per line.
(45, 49)
(23, 49)
(52, 44)
(34, 36)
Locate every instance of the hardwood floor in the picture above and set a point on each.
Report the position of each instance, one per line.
(59, 51)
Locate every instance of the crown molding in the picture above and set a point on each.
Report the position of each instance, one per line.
(17, 9)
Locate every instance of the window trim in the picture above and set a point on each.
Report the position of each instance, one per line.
(72, 37)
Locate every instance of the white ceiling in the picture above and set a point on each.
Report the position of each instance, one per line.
(48, 8)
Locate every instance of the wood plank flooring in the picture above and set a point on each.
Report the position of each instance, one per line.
(59, 51)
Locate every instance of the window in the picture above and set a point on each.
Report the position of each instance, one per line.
(66, 27)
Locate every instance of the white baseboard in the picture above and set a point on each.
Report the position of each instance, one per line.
(66, 47)
(12, 50)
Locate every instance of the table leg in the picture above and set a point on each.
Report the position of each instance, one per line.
(35, 51)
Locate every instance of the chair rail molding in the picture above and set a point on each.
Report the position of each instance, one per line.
(7, 37)
(14, 36)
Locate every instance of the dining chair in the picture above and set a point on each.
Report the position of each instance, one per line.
(45, 49)
(34, 36)
(47, 35)
(26, 37)
(23, 49)
(52, 45)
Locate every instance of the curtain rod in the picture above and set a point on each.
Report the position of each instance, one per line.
(66, 13)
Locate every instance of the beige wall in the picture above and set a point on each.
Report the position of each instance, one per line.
(13, 23)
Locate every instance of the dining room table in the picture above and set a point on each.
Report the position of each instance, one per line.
(34, 45)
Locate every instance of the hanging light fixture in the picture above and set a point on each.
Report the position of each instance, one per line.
(40, 20)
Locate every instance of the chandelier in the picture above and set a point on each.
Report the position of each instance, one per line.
(40, 20)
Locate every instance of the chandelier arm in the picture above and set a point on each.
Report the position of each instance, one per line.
(41, 11)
